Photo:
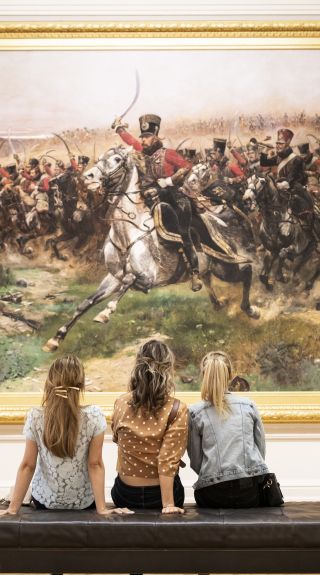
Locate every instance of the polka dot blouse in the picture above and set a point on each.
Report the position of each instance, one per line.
(146, 448)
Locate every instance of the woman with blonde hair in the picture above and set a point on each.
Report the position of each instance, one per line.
(226, 442)
(150, 428)
(63, 452)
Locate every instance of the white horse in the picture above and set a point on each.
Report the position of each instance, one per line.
(133, 255)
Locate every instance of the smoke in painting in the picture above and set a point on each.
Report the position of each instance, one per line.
(168, 194)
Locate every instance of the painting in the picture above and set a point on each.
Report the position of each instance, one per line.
(161, 183)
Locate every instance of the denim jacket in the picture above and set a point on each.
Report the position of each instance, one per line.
(222, 449)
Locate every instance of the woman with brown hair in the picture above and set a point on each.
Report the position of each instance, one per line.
(150, 428)
(63, 452)
(226, 442)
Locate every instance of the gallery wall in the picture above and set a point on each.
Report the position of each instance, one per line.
(292, 450)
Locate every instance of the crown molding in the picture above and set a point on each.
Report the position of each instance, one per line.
(166, 9)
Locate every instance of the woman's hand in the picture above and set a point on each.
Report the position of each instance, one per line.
(172, 509)
(7, 511)
(116, 510)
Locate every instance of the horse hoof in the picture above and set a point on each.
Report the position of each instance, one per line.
(263, 279)
(51, 345)
(252, 312)
(101, 318)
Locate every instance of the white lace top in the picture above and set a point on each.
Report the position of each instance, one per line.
(63, 483)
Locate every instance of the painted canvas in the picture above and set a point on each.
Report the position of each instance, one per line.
(160, 194)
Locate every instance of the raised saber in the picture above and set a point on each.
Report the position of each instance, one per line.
(136, 96)
(64, 142)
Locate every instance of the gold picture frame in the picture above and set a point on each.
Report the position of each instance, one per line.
(276, 407)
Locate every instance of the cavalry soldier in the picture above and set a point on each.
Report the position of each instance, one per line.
(290, 167)
(292, 178)
(229, 172)
(83, 161)
(168, 169)
(312, 171)
(249, 160)
(312, 168)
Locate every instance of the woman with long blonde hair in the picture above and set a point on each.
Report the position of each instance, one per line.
(226, 442)
(150, 427)
(63, 452)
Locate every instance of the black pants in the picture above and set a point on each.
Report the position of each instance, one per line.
(148, 497)
(236, 494)
(39, 506)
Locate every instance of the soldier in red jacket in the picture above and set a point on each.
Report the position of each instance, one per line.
(166, 168)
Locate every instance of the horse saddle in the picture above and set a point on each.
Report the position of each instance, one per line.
(205, 233)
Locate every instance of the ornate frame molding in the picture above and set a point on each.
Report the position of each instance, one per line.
(168, 29)
(275, 407)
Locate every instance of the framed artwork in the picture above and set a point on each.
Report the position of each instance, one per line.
(161, 181)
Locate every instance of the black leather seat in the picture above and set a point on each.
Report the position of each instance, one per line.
(269, 540)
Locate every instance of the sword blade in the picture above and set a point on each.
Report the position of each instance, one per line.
(137, 92)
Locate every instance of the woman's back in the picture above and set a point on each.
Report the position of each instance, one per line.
(63, 482)
(223, 448)
(146, 447)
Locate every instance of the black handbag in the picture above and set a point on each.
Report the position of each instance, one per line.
(270, 491)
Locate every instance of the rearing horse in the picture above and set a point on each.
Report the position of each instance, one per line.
(134, 257)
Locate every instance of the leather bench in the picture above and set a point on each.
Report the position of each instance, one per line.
(268, 540)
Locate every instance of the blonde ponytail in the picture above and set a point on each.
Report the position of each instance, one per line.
(216, 371)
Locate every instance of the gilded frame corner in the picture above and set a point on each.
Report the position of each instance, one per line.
(276, 407)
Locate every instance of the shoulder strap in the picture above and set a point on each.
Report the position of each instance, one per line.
(173, 412)
(285, 161)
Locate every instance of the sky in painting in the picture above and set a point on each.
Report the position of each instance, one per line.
(55, 90)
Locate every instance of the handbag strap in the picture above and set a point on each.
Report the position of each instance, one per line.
(173, 412)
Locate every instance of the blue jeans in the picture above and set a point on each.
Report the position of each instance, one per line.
(148, 497)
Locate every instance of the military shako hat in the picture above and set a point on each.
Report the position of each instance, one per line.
(219, 145)
(149, 125)
(304, 148)
(83, 160)
(285, 134)
(11, 169)
(33, 163)
(253, 145)
(190, 153)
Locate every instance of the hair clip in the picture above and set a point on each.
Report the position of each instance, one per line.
(61, 391)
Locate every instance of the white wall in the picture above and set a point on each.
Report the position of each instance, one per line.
(293, 453)
(156, 10)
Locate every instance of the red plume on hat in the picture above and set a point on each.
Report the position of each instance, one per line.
(285, 134)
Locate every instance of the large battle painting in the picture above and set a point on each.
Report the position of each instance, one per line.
(167, 194)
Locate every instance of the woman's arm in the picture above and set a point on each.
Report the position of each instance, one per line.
(96, 474)
(258, 432)
(23, 479)
(173, 446)
(166, 487)
(96, 471)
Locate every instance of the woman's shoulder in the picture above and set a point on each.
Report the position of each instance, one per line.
(92, 410)
(35, 413)
(196, 408)
(171, 399)
(123, 399)
(240, 399)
